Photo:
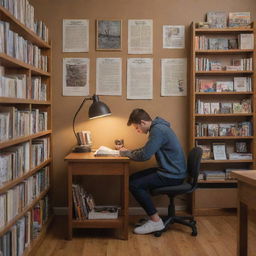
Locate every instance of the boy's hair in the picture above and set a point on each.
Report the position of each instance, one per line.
(137, 115)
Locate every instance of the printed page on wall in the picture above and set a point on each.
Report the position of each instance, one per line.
(76, 76)
(173, 37)
(75, 35)
(174, 77)
(140, 78)
(109, 76)
(140, 36)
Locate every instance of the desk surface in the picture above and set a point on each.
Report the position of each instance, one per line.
(245, 176)
(89, 157)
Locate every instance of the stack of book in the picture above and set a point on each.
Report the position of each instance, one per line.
(84, 206)
(240, 156)
(214, 175)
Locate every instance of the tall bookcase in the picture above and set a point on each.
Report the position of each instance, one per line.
(215, 196)
(26, 135)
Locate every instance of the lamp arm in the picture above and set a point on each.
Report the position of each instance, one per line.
(74, 118)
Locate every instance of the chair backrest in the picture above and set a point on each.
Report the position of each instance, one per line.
(193, 165)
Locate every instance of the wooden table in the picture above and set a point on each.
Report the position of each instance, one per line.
(246, 198)
(88, 164)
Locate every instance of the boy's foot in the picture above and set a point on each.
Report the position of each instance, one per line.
(149, 227)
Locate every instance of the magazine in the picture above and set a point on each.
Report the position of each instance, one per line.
(217, 19)
(239, 19)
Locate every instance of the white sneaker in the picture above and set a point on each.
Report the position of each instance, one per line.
(149, 227)
(141, 222)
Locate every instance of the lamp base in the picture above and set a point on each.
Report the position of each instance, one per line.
(81, 149)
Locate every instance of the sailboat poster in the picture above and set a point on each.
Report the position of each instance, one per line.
(109, 35)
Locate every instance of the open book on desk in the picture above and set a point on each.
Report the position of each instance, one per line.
(105, 151)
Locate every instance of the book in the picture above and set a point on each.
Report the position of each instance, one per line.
(219, 151)
(224, 86)
(103, 212)
(105, 151)
(217, 19)
(240, 84)
(239, 19)
(246, 41)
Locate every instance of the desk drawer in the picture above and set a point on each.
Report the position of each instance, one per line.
(215, 198)
(98, 168)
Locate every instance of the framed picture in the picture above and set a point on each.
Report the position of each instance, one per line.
(219, 151)
(108, 35)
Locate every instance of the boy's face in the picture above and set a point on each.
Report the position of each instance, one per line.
(142, 127)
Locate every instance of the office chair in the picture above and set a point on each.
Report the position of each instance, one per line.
(193, 167)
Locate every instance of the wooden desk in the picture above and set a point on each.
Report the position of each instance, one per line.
(246, 198)
(87, 164)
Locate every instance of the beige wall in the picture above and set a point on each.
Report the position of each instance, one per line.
(105, 130)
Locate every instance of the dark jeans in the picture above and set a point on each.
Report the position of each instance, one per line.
(143, 181)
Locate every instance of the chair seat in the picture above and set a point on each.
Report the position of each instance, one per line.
(172, 190)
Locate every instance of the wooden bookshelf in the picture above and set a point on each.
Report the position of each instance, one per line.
(215, 196)
(15, 66)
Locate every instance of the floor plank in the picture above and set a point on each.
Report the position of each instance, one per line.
(216, 237)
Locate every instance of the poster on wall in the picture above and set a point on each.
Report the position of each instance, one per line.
(75, 77)
(173, 37)
(140, 36)
(109, 76)
(140, 78)
(109, 35)
(174, 77)
(75, 35)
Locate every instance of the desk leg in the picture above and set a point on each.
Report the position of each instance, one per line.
(125, 201)
(70, 203)
(242, 241)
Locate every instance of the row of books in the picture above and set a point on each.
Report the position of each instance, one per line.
(239, 84)
(40, 151)
(223, 129)
(241, 107)
(16, 123)
(16, 86)
(17, 47)
(14, 162)
(16, 199)
(84, 138)
(206, 64)
(84, 206)
(38, 89)
(220, 19)
(219, 151)
(25, 230)
(24, 12)
(218, 174)
(243, 41)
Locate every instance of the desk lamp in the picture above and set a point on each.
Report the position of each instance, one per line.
(97, 109)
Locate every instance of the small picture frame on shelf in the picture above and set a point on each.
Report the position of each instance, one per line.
(219, 151)
(241, 147)
(108, 35)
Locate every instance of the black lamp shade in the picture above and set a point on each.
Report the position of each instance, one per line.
(98, 108)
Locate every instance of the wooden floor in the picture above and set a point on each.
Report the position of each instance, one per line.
(217, 236)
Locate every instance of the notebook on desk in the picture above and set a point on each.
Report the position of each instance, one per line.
(105, 151)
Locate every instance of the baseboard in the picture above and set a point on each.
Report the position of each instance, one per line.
(132, 210)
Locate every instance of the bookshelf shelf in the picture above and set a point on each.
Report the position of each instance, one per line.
(225, 138)
(16, 141)
(5, 100)
(14, 182)
(22, 116)
(213, 192)
(223, 93)
(26, 209)
(11, 62)
(223, 72)
(223, 30)
(236, 51)
(216, 181)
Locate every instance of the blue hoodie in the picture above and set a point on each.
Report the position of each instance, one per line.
(162, 142)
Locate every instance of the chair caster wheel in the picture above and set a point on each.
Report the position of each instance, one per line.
(194, 233)
(157, 234)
